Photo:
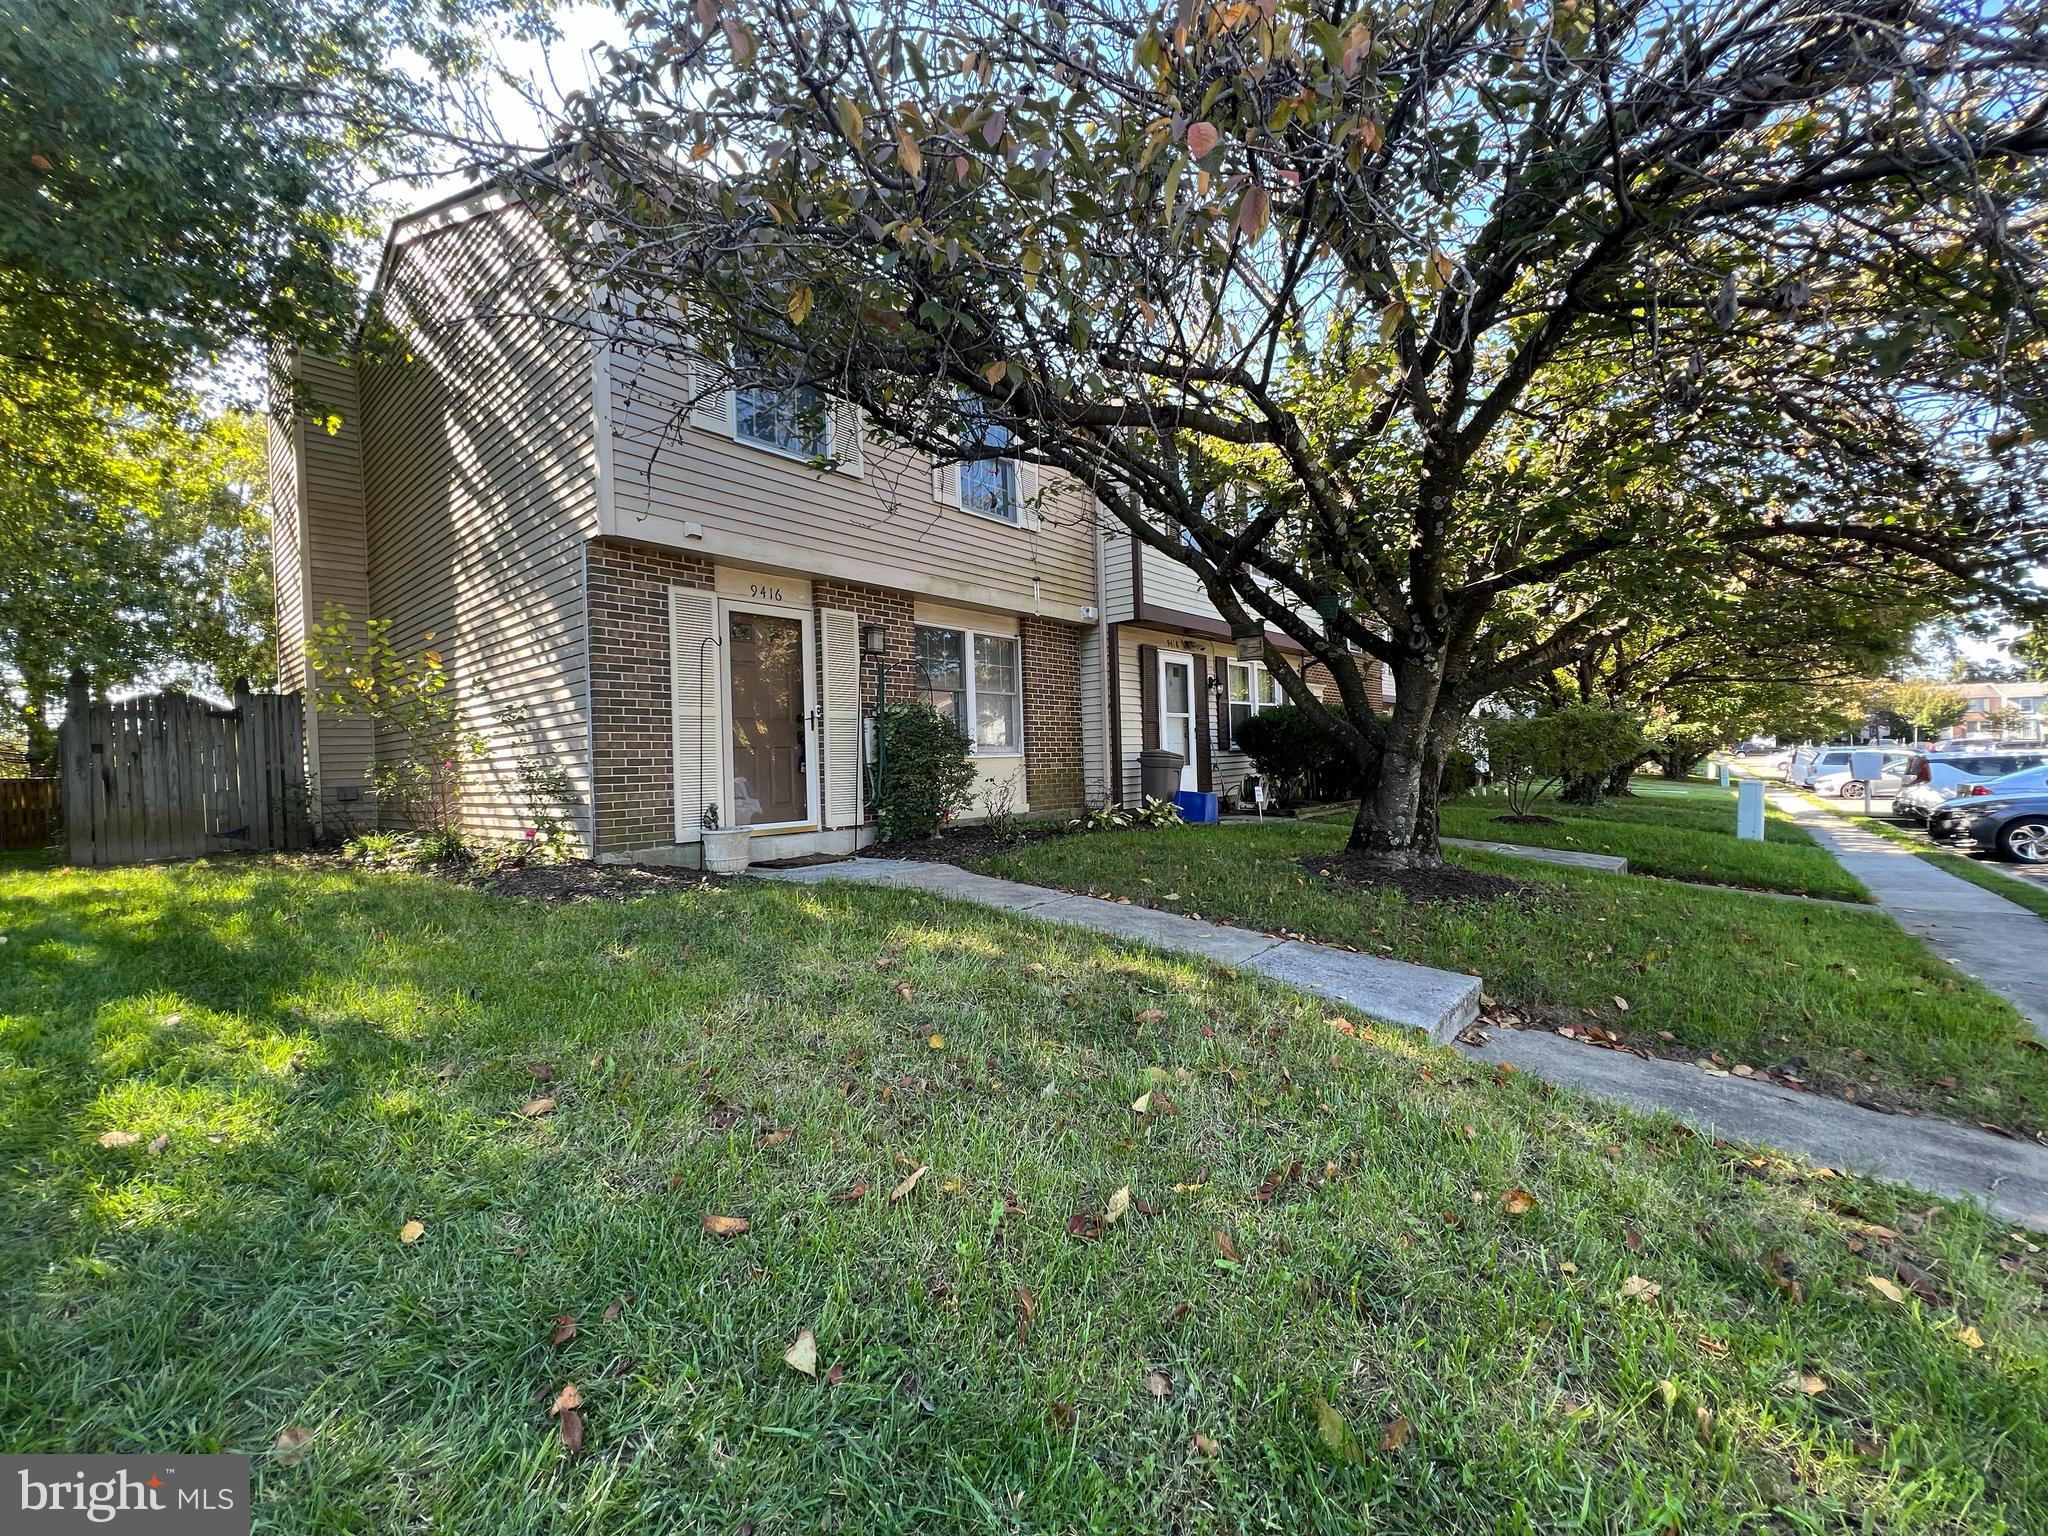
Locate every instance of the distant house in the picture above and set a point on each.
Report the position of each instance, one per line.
(1990, 701)
(663, 592)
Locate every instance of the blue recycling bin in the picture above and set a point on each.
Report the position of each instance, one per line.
(1197, 807)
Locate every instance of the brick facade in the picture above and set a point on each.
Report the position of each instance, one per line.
(895, 611)
(1054, 768)
(632, 710)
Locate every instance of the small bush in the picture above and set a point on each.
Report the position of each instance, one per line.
(1156, 813)
(925, 769)
(1291, 750)
(1532, 754)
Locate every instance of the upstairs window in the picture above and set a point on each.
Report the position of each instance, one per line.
(989, 486)
(791, 421)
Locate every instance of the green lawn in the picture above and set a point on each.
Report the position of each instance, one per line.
(310, 1060)
(1679, 831)
(1846, 997)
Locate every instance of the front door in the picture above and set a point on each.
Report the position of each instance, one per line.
(768, 699)
(1177, 711)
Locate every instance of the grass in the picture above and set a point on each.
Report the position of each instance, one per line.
(1846, 998)
(2014, 888)
(1677, 831)
(332, 1055)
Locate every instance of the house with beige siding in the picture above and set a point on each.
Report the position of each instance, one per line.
(655, 588)
(1175, 680)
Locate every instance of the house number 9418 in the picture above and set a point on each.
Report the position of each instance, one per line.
(764, 594)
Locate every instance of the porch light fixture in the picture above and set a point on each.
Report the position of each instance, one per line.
(874, 639)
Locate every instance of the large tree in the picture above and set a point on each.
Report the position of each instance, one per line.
(1378, 318)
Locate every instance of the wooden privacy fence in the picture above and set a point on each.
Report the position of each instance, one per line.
(28, 812)
(169, 776)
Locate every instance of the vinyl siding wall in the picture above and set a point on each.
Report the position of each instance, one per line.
(881, 527)
(480, 490)
(317, 549)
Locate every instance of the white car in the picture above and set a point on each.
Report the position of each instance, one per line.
(1842, 781)
(1932, 779)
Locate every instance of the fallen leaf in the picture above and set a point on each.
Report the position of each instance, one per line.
(774, 1138)
(1635, 1288)
(903, 990)
(119, 1139)
(1159, 1383)
(1142, 1104)
(1969, 1337)
(1631, 1239)
(1119, 1206)
(569, 1397)
(542, 1072)
(902, 1191)
(1518, 1202)
(937, 1042)
(1152, 1016)
(1226, 1248)
(1621, 1003)
(412, 1232)
(571, 1421)
(835, 1375)
(1808, 1383)
(1331, 1429)
(858, 1190)
(565, 1329)
(1204, 1446)
(1395, 1435)
(293, 1443)
(1027, 1308)
(615, 1308)
(540, 1106)
(802, 1356)
(1884, 1288)
(726, 1226)
(1668, 1390)
(160, 1141)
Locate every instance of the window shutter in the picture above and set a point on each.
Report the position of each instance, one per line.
(1148, 696)
(694, 660)
(1223, 738)
(842, 717)
(1202, 759)
(711, 405)
(1027, 492)
(946, 484)
(848, 437)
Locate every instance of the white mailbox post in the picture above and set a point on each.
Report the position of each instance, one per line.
(1721, 772)
(1749, 810)
(1866, 766)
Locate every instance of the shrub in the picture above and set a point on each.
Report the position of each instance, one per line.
(1290, 749)
(924, 768)
(407, 699)
(1531, 754)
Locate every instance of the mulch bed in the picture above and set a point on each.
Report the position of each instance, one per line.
(961, 845)
(582, 880)
(1447, 882)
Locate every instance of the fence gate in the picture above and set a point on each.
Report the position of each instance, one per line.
(169, 776)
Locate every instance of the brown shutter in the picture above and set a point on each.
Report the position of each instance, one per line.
(1223, 741)
(1201, 687)
(1148, 696)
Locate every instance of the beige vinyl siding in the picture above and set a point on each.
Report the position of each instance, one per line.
(480, 490)
(317, 542)
(1094, 705)
(1228, 768)
(1172, 586)
(882, 527)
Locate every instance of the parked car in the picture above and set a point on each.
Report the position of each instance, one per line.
(1841, 780)
(1951, 819)
(2013, 827)
(1931, 779)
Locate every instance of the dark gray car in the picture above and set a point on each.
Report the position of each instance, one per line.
(2012, 826)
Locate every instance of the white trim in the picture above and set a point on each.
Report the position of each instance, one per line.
(808, 661)
(601, 415)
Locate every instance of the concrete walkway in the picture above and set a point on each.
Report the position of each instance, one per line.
(1998, 942)
(2009, 1178)
(1440, 1002)
(1605, 863)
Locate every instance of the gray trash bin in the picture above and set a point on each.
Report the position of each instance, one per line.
(1159, 773)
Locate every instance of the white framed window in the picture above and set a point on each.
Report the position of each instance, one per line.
(1001, 489)
(1251, 688)
(791, 421)
(975, 679)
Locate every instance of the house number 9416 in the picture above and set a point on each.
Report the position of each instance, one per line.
(764, 594)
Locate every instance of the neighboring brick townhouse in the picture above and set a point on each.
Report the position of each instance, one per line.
(660, 591)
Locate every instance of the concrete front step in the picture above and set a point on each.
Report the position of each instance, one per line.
(1417, 996)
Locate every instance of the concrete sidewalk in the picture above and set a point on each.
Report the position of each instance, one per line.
(1440, 1002)
(1998, 942)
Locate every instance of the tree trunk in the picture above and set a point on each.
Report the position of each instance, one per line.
(1582, 788)
(1617, 781)
(1396, 822)
(1676, 766)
